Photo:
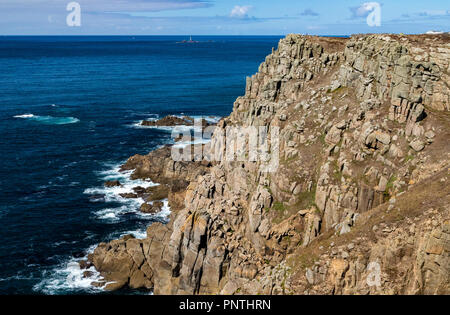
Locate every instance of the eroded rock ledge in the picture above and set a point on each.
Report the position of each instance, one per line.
(363, 178)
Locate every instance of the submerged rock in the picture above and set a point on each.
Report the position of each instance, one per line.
(97, 198)
(113, 183)
(129, 196)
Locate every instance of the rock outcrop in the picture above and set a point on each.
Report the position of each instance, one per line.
(172, 121)
(359, 203)
(167, 121)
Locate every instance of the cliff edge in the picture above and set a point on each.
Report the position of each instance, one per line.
(359, 203)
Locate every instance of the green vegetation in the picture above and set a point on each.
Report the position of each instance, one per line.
(304, 259)
(278, 206)
(390, 185)
(339, 89)
(322, 138)
(306, 199)
(337, 173)
(409, 158)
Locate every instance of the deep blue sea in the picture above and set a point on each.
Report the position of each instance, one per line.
(69, 107)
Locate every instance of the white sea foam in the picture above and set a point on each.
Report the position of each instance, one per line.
(113, 214)
(68, 276)
(165, 212)
(24, 116)
(139, 234)
(163, 215)
(49, 120)
(180, 128)
(112, 195)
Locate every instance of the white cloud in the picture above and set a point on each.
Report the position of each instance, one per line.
(363, 10)
(240, 11)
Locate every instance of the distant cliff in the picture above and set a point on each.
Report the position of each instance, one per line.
(358, 205)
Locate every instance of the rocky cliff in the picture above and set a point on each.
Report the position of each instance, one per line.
(358, 205)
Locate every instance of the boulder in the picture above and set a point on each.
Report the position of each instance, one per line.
(112, 183)
(334, 135)
(417, 145)
(383, 137)
(129, 196)
(155, 207)
(84, 264)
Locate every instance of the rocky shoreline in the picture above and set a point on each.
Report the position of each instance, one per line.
(171, 180)
(173, 121)
(362, 184)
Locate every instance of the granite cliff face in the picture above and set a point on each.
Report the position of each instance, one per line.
(362, 184)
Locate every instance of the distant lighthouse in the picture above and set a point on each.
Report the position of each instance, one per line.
(190, 41)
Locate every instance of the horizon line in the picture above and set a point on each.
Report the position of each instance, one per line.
(218, 35)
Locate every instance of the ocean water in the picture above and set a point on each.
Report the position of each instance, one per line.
(69, 114)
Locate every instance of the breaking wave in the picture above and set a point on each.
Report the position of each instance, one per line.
(49, 120)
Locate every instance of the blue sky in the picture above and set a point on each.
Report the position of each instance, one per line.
(221, 17)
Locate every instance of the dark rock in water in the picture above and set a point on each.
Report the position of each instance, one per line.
(167, 121)
(170, 121)
(158, 205)
(129, 196)
(139, 190)
(84, 264)
(152, 208)
(98, 284)
(87, 274)
(97, 198)
(78, 254)
(112, 183)
(146, 208)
